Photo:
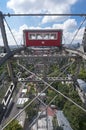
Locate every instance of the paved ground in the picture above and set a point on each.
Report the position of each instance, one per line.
(14, 110)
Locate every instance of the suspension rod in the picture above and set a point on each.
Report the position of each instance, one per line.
(40, 14)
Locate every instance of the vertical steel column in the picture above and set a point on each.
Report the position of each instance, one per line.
(47, 118)
(3, 32)
(84, 40)
(45, 68)
(79, 60)
(6, 47)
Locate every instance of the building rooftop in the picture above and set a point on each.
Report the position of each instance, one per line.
(21, 101)
(82, 84)
(24, 90)
(62, 121)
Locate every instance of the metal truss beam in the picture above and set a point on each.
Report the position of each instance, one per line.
(43, 14)
(77, 52)
(49, 58)
(49, 79)
(10, 54)
(84, 40)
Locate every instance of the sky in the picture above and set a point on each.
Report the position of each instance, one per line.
(68, 24)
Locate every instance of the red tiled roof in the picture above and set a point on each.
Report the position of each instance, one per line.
(51, 112)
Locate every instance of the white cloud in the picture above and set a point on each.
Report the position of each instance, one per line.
(80, 35)
(69, 29)
(68, 25)
(42, 6)
(68, 36)
(32, 6)
(18, 34)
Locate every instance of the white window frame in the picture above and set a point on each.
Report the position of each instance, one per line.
(29, 37)
(42, 34)
(55, 37)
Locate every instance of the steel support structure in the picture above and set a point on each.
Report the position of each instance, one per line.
(45, 60)
(6, 46)
(84, 40)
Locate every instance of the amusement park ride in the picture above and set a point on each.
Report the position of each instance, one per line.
(41, 49)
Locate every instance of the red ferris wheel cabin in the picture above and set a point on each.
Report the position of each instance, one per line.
(50, 37)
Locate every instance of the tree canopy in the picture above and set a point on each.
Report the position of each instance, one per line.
(14, 125)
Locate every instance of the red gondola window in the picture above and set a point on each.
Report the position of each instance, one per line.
(54, 36)
(39, 36)
(32, 36)
(43, 36)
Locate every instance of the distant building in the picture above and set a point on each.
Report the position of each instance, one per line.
(41, 94)
(24, 91)
(21, 101)
(62, 121)
(81, 88)
(45, 119)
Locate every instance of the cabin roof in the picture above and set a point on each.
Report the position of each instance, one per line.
(42, 30)
(82, 84)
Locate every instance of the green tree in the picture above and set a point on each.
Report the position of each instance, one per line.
(50, 95)
(75, 97)
(31, 110)
(82, 74)
(14, 125)
(76, 116)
